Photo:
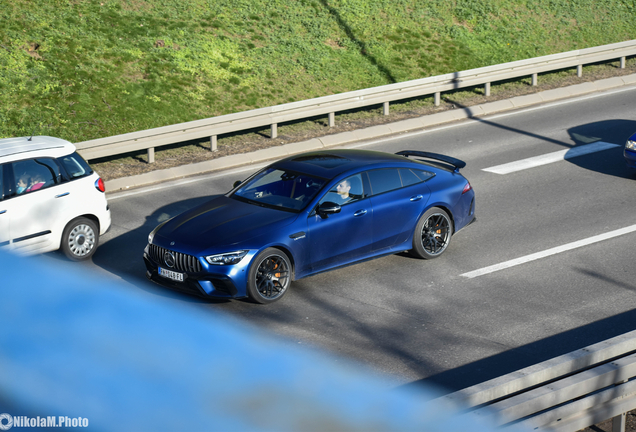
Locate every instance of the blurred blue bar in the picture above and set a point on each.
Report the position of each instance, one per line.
(72, 345)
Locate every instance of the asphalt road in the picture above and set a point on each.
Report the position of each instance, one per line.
(428, 321)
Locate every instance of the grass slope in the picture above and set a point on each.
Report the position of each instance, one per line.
(83, 69)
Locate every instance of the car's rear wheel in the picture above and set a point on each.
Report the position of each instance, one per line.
(80, 239)
(432, 234)
(269, 276)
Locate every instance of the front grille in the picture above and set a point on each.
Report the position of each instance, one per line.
(182, 262)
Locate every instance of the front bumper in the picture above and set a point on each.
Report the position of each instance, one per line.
(201, 284)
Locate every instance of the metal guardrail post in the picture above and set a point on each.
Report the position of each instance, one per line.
(332, 119)
(579, 71)
(274, 130)
(618, 423)
(534, 79)
(385, 108)
(623, 62)
(487, 89)
(437, 98)
(213, 143)
(151, 155)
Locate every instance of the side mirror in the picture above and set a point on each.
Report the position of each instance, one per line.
(326, 208)
(236, 183)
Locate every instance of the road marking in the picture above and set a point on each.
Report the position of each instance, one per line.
(546, 253)
(550, 158)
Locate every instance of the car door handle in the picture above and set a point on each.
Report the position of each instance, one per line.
(416, 197)
(360, 213)
(62, 195)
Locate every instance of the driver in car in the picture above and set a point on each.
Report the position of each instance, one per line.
(342, 190)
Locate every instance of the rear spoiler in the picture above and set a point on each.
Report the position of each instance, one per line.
(455, 163)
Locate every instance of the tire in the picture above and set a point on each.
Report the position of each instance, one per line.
(80, 239)
(269, 277)
(432, 234)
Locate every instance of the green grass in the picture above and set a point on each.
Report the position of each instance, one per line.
(85, 69)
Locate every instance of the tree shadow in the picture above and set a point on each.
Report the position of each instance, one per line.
(363, 46)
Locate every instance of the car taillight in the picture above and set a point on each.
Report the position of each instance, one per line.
(99, 185)
(466, 188)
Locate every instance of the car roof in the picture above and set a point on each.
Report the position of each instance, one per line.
(329, 164)
(38, 146)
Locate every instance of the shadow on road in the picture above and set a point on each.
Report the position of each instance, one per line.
(611, 161)
(531, 354)
(123, 255)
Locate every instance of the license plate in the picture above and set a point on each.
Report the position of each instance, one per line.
(171, 274)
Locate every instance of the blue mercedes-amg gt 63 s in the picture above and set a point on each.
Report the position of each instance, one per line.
(311, 213)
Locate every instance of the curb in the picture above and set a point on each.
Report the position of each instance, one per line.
(279, 152)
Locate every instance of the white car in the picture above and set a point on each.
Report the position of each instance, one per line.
(50, 198)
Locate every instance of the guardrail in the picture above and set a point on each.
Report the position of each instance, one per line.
(564, 394)
(328, 105)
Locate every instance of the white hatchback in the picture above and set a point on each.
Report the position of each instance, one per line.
(50, 198)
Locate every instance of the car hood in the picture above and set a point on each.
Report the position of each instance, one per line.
(220, 223)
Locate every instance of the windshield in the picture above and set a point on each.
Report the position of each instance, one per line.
(277, 188)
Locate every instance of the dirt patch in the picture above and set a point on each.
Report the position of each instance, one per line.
(245, 142)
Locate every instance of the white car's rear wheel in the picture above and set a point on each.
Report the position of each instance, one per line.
(80, 239)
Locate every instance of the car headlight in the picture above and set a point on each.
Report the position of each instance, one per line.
(229, 258)
(631, 145)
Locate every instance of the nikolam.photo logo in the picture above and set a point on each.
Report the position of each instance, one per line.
(7, 421)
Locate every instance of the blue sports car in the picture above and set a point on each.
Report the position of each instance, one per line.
(630, 151)
(311, 213)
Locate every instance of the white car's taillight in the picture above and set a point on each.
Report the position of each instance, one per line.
(99, 185)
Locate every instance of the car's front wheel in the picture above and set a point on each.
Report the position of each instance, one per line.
(269, 276)
(432, 234)
(80, 239)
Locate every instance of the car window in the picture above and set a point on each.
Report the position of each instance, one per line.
(383, 180)
(410, 177)
(1, 183)
(34, 174)
(277, 188)
(75, 166)
(345, 191)
(8, 189)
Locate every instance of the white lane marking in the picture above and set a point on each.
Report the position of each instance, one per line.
(549, 158)
(546, 253)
